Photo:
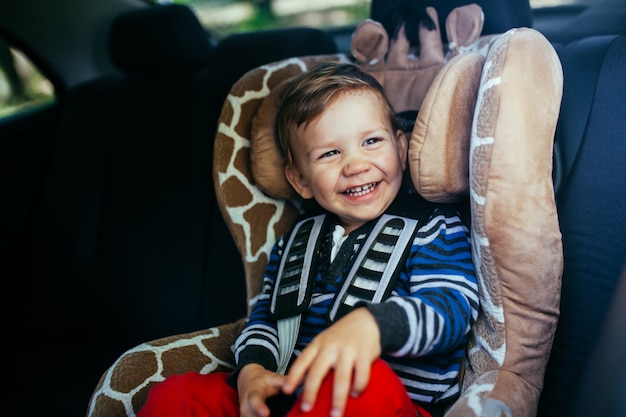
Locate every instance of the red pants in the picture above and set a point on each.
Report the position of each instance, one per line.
(196, 395)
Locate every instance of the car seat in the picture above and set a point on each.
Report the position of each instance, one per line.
(494, 153)
(591, 182)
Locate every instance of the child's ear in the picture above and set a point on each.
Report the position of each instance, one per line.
(403, 145)
(297, 181)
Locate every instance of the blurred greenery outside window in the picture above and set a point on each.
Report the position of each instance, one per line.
(22, 86)
(224, 17)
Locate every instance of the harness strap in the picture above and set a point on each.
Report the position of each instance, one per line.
(370, 278)
(377, 264)
(296, 264)
(288, 329)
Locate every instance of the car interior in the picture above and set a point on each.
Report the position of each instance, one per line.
(113, 233)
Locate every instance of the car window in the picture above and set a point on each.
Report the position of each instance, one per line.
(224, 17)
(22, 85)
(552, 3)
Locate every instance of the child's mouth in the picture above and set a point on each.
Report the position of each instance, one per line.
(361, 190)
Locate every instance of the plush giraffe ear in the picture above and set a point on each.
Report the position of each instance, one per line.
(431, 47)
(406, 78)
(463, 26)
(370, 43)
(430, 50)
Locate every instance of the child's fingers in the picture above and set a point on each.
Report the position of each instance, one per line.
(260, 408)
(255, 406)
(341, 386)
(298, 370)
(362, 371)
(275, 384)
(313, 380)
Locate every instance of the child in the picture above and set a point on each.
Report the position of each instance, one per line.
(368, 300)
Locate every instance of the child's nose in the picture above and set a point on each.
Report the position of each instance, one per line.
(355, 165)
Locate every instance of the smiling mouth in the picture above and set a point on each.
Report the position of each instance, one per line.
(361, 190)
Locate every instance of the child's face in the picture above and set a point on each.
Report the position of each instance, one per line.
(349, 159)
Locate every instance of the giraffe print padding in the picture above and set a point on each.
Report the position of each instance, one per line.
(516, 239)
(123, 388)
(255, 218)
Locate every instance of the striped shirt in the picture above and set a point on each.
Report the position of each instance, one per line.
(423, 323)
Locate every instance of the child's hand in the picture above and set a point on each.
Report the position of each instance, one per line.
(255, 385)
(349, 347)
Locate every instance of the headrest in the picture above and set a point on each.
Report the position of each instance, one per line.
(404, 75)
(266, 158)
(444, 94)
(404, 71)
(159, 39)
(500, 15)
(439, 143)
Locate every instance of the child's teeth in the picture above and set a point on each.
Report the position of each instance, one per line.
(361, 190)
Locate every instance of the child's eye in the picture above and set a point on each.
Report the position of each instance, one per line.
(329, 154)
(371, 141)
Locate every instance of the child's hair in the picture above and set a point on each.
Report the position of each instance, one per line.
(306, 97)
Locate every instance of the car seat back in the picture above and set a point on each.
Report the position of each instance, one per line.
(591, 204)
(604, 380)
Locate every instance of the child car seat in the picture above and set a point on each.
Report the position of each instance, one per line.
(504, 131)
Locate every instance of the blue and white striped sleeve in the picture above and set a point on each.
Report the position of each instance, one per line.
(436, 298)
(258, 342)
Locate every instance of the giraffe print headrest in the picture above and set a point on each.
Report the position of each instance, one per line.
(438, 157)
(266, 159)
(438, 145)
(444, 92)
